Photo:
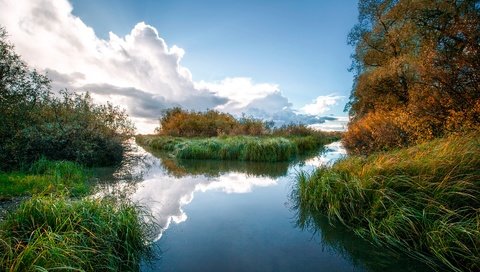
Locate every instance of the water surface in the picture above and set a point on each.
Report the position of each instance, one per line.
(239, 216)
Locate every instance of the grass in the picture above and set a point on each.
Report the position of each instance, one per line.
(423, 200)
(52, 231)
(55, 233)
(241, 148)
(45, 177)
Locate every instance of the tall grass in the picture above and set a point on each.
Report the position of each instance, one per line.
(54, 233)
(46, 177)
(242, 148)
(423, 200)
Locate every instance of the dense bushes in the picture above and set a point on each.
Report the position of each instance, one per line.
(178, 122)
(181, 123)
(416, 69)
(424, 200)
(35, 122)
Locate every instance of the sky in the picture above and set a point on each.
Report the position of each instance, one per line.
(285, 61)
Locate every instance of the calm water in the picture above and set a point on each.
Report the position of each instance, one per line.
(234, 216)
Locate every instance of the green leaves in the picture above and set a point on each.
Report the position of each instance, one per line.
(35, 122)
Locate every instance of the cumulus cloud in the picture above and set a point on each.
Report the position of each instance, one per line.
(321, 104)
(138, 71)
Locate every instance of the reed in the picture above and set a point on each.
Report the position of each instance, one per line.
(423, 200)
(55, 233)
(242, 148)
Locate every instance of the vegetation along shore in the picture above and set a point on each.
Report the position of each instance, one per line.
(412, 180)
(47, 141)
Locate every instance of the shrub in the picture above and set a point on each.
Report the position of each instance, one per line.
(377, 131)
(36, 123)
(177, 122)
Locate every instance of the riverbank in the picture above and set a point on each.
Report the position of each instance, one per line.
(45, 177)
(50, 226)
(423, 200)
(241, 148)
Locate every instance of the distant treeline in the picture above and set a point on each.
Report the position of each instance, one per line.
(417, 72)
(182, 123)
(36, 123)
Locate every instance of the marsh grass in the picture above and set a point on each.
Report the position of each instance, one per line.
(46, 177)
(55, 233)
(423, 200)
(242, 148)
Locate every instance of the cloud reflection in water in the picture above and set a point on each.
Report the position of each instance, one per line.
(165, 194)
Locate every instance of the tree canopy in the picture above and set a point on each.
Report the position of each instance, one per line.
(417, 70)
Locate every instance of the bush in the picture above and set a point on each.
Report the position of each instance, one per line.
(377, 131)
(178, 122)
(36, 123)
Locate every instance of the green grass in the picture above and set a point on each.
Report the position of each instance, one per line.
(242, 148)
(45, 177)
(55, 233)
(423, 200)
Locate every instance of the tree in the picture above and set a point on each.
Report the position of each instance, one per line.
(419, 60)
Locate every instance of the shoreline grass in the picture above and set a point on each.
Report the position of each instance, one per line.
(423, 200)
(52, 228)
(241, 148)
(56, 233)
(46, 177)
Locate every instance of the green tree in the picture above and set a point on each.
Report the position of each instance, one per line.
(35, 122)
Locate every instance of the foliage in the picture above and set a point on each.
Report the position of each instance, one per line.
(53, 233)
(178, 122)
(67, 126)
(417, 67)
(181, 123)
(424, 200)
(295, 130)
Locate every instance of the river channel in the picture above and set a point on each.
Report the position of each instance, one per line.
(239, 216)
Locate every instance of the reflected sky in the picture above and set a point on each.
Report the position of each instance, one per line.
(237, 216)
(165, 193)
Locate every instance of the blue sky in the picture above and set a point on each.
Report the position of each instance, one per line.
(300, 45)
(283, 61)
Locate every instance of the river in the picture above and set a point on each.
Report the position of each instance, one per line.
(239, 216)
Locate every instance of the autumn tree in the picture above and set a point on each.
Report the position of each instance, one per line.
(416, 66)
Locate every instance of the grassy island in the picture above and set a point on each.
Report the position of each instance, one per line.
(213, 135)
(242, 148)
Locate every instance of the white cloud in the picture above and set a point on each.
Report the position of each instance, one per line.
(139, 71)
(321, 104)
(240, 90)
(338, 123)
